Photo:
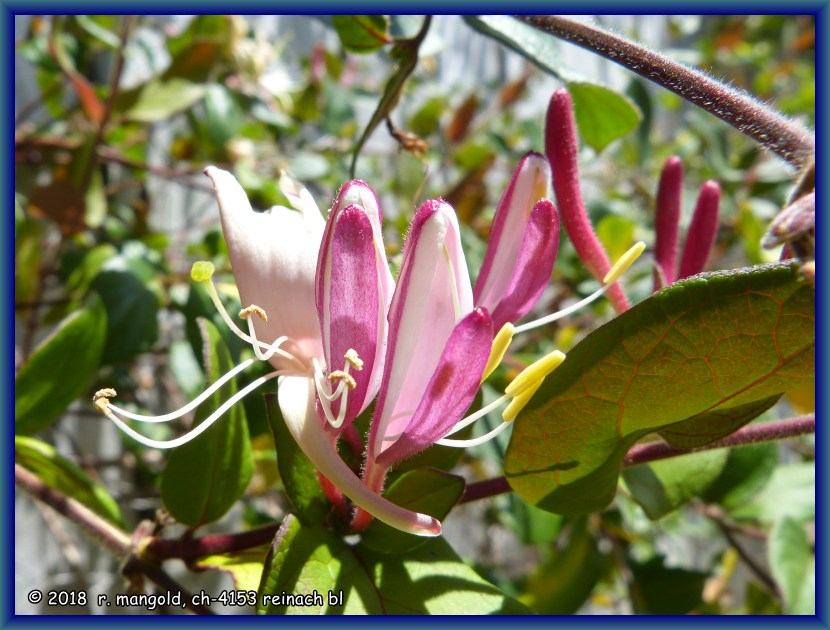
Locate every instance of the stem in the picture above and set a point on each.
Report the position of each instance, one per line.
(643, 453)
(190, 549)
(785, 138)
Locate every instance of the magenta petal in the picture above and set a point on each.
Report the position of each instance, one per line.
(667, 221)
(702, 230)
(349, 305)
(533, 267)
(451, 389)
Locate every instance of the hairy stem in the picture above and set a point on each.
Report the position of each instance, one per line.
(643, 453)
(785, 138)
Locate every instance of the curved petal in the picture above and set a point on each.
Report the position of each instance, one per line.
(274, 258)
(297, 400)
(450, 391)
(349, 302)
(529, 184)
(433, 293)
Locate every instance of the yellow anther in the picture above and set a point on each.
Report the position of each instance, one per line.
(101, 398)
(518, 403)
(202, 271)
(253, 309)
(340, 375)
(499, 347)
(625, 261)
(353, 359)
(536, 372)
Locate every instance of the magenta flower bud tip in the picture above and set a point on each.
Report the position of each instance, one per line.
(702, 230)
(667, 222)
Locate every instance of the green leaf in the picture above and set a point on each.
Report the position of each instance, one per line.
(299, 476)
(431, 579)
(362, 33)
(602, 114)
(432, 492)
(793, 566)
(159, 99)
(244, 568)
(747, 471)
(662, 487)
(660, 590)
(791, 492)
(564, 583)
(204, 477)
(60, 369)
(223, 117)
(616, 234)
(530, 42)
(28, 255)
(62, 475)
(712, 342)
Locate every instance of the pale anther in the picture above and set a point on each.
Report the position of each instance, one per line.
(353, 359)
(253, 309)
(537, 371)
(101, 399)
(340, 375)
(625, 261)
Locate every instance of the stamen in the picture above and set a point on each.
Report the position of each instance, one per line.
(101, 396)
(519, 401)
(620, 267)
(345, 377)
(534, 372)
(463, 424)
(353, 359)
(453, 288)
(499, 347)
(204, 426)
(253, 309)
(474, 441)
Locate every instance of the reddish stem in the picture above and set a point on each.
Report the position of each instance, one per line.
(562, 149)
(702, 231)
(667, 222)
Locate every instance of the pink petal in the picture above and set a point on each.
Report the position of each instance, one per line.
(450, 391)
(702, 230)
(274, 258)
(562, 149)
(422, 315)
(667, 221)
(350, 314)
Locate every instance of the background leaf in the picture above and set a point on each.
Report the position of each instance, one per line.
(205, 477)
(62, 475)
(602, 114)
(72, 352)
(686, 350)
(662, 590)
(362, 33)
(792, 563)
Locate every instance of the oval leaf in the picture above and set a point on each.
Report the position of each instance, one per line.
(362, 33)
(62, 475)
(712, 342)
(206, 476)
(60, 369)
(602, 114)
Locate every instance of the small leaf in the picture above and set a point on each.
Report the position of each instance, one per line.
(747, 471)
(660, 590)
(205, 477)
(432, 579)
(602, 114)
(432, 492)
(60, 369)
(28, 255)
(223, 117)
(711, 342)
(299, 476)
(244, 568)
(362, 33)
(791, 563)
(159, 99)
(62, 475)
(791, 492)
(662, 487)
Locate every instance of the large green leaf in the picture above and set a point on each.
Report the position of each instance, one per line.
(432, 492)
(362, 33)
(793, 566)
(602, 114)
(204, 477)
(59, 473)
(431, 579)
(662, 487)
(712, 342)
(299, 475)
(60, 369)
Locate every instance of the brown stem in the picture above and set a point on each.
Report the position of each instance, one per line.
(189, 549)
(785, 138)
(643, 453)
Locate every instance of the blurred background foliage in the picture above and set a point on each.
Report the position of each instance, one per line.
(111, 209)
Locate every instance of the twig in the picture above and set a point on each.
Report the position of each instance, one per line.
(785, 138)
(189, 549)
(643, 453)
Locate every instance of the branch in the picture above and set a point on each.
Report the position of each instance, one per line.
(785, 138)
(190, 549)
(643, 453)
